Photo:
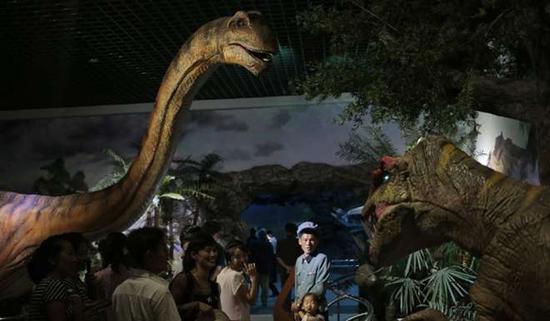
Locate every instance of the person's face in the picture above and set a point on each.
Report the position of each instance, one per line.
(66, 262)
(309, 305)
(238, 260)
(308, 243)
(157, 260)
(206, 257)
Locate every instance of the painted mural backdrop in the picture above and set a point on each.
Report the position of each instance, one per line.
(507, 146)
(243, 137)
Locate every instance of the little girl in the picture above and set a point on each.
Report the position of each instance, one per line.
(309, 309)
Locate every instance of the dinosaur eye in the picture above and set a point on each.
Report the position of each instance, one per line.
(386, 177)
(240, 23)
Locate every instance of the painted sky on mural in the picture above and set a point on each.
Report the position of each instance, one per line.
(243, 137)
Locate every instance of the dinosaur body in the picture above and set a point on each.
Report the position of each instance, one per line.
(26, 220)
(436, 193)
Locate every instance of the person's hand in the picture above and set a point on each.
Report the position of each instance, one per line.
(206, 312)
(295, 307)
(203, 307)
(250, 269)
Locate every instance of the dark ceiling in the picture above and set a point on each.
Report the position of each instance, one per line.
(90, 52)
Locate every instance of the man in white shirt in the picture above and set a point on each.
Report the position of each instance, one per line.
(144, 296)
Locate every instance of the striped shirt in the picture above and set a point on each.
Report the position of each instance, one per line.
(48, 290)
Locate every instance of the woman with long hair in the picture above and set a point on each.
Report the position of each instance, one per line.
(194, 292)
(52, 298)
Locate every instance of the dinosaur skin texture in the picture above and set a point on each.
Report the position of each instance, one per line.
(436, 193)
(25, 220)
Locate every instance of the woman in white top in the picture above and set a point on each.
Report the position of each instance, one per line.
(238, 283)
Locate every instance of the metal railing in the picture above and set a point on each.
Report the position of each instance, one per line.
(336, 286)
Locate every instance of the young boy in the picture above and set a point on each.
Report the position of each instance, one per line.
(312, 268)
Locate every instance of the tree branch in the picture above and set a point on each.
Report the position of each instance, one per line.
(517, 99)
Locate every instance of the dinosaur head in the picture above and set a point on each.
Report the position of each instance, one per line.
(246, 40)
(410, 199)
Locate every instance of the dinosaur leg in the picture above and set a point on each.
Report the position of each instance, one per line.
(426, 315)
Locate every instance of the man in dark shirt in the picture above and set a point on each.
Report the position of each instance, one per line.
(262, 254)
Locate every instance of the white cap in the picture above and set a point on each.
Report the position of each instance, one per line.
(306, 225)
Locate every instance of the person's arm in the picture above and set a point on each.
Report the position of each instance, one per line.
(322, 277)
(249, 294)
(295, 306)
(177, 288)
(283, 264)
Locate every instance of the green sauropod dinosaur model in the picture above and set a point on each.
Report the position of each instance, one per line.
(25, 220)
(436, 193)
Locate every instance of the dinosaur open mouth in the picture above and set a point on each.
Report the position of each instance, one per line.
(372, 215)
(265, 56)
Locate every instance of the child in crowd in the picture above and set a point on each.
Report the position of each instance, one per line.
(236, 292)
(309, 309)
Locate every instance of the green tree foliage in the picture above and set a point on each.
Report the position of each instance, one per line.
(58, 181)
(367, 145)
(403, 59)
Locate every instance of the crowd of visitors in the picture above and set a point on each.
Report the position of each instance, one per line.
(215, 280)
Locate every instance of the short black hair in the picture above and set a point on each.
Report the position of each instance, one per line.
(40, 264)
(311, 294)
(142, 240)
(232, 246)
(199, 242)
(76, 239)
(188, 233)
(211, 227)
(112, 250)
(311, 231)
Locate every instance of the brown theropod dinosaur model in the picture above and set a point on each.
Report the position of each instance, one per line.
(25, 220)
(436, 193)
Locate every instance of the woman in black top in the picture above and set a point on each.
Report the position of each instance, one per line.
(52, 298)
(193, 290)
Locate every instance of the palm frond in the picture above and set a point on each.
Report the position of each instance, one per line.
(120, 169)
(174, 196)
(448, 285)
(196, 194)
(407, 293)
(117, 159)
(418, 261)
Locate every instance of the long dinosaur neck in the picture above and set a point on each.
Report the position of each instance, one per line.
(129, 197)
